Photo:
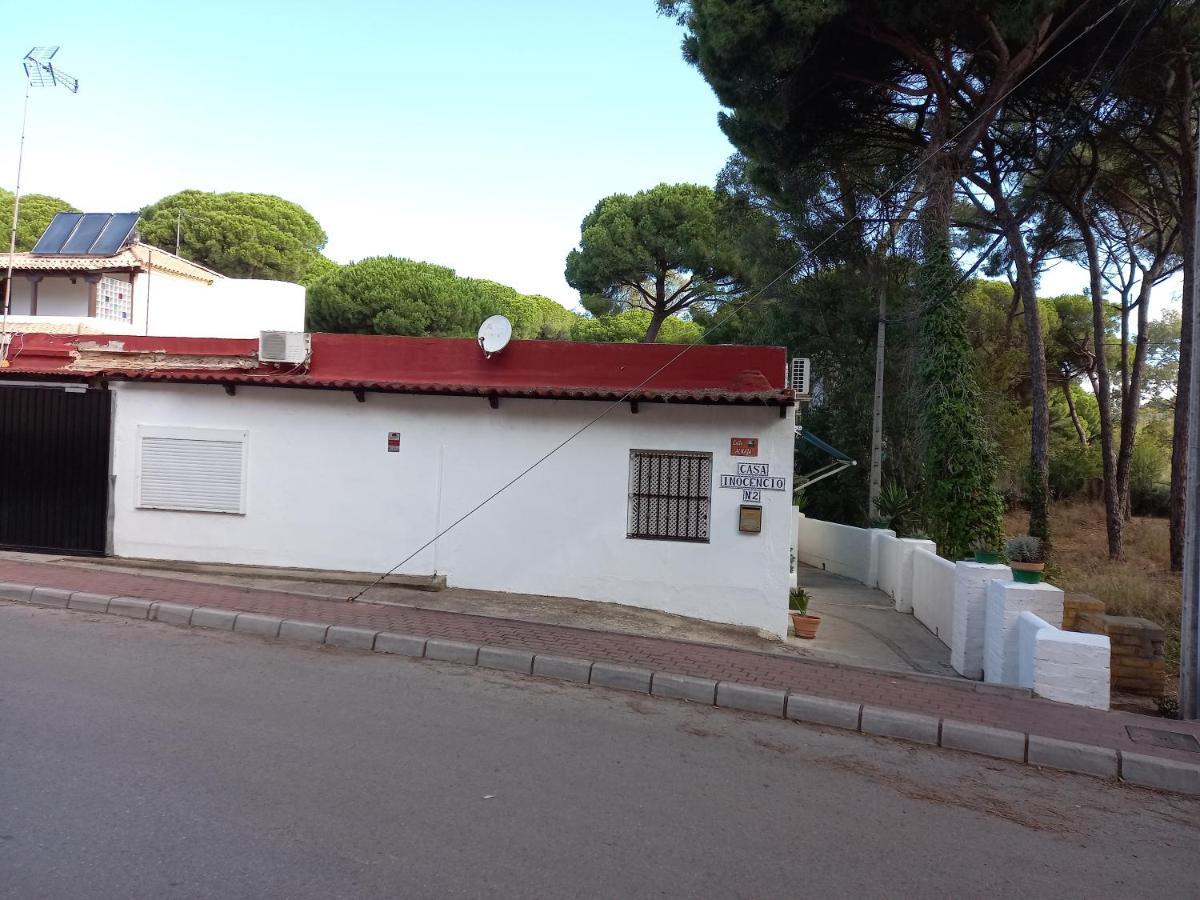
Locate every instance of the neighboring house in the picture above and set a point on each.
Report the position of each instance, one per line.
(675, 495)
(88, 274)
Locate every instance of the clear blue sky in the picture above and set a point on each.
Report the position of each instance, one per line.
(472, 134)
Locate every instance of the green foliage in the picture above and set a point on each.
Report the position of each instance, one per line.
(662, 250)
(237, 234)
(1024, 548)
(1075, 470)
(320, 267)
(1149, 488)
(390, 295)
(36, 212)
(630, 326)
(798, 601)
(895, 506)
(962, 506)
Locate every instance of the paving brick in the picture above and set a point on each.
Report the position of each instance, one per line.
(172, 613)
(309, 632)
(452, 651)
(506, 658)
(18, 592)
(684, 687)
(899, 724)
(998, 742)
(1164, 774)
(264, 626)
(822, 711)
(400, 644)
(132, 607)
(565, 667)
(767, 701)
(351, 636)
(625, 678)
(51, 597)
(1072, 757)
(204, 617)
(87, 602)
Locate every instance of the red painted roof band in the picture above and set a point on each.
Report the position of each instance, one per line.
(542, 369)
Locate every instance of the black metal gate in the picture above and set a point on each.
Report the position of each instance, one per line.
(54, 449)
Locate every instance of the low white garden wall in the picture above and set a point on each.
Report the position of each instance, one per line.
(933, 593)
(975, 609)
(840, 549)
(1063, 665)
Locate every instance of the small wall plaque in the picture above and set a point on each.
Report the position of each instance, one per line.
(750, 519)
(743, 446)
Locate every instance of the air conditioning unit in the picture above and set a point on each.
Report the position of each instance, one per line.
(284, 346)
(800, 376)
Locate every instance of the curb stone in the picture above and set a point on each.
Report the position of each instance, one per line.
(1083, 759)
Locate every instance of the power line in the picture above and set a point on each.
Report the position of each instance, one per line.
(737, 306)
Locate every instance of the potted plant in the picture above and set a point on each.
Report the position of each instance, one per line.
(1027, 558)
(803, 624)
(986, 553)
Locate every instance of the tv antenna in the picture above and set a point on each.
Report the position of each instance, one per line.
(40, 71)
(494, 335)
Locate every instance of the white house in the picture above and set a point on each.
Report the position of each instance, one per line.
(673, 494)
(89, 275)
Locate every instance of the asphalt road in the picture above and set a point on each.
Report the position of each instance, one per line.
(142, 760)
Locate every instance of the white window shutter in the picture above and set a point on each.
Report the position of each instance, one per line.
(192, 470)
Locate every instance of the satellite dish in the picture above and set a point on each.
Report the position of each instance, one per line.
(494, 335)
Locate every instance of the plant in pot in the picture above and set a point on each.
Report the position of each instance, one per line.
(893, 504)
(986, 552)
(803, 624)
(1027, 558)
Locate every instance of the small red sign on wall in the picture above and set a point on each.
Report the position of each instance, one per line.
(393, 442)
(739, 446)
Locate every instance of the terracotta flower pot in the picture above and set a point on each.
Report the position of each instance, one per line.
(1027, 573)
(805, 626)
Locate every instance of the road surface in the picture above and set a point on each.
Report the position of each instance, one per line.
(142, 760)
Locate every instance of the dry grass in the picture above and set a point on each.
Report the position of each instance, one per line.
(1142, 585)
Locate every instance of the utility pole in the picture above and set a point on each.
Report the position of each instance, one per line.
(877, 414)
(1189, 668)
(178, 223)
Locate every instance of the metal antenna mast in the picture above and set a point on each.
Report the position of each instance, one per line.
(40, 71)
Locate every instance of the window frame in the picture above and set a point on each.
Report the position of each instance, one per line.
(632, 532)
(190, 433)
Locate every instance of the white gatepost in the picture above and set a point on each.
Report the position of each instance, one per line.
(904, 584)
(877, 535)
(971, 580)
(1006, 600)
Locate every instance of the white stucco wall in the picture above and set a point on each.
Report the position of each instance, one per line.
(933, 593)
(322, 491)
(228, 308)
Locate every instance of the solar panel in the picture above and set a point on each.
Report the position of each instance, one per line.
(57, 232)
(85, 234)
(113, 237)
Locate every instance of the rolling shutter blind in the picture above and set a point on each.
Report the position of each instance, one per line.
(194, 470)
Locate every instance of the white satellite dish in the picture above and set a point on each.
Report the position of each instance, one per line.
(494, 335)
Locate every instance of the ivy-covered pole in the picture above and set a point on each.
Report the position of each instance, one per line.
(963, 507)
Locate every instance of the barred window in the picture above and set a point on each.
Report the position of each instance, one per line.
(669, 495)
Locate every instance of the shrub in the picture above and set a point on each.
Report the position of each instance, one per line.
(1074, 468)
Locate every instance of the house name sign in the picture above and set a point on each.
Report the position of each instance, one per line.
(753, 478)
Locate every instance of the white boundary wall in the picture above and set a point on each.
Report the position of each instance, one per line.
(971, 607)
(933, 593)
(1063, 665)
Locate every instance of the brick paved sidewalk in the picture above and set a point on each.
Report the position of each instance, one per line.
(941, 699)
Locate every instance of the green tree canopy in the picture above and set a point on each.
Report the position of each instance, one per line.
(662, 250)
(390, 295)
(237, 234)
(630, 326)
(36, 212)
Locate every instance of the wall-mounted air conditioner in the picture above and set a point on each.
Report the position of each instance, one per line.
(284, 346)
(800, 376)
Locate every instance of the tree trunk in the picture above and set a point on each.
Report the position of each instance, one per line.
(656, 319)
(1039, 432)
(1080, 433)
(1131, 399)
(658, 315)
(1187, 214)
(1102, 385)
